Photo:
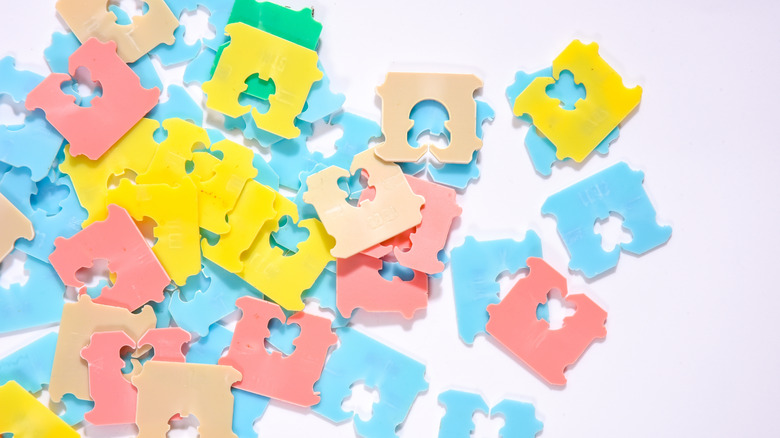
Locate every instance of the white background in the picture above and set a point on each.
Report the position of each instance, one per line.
(691, 348)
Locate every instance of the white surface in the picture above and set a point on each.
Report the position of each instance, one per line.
(690, 349)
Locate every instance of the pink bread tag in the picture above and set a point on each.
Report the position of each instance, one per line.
(419, 247)
(513, 322)
(359, 284)
(92, 130)
(288, 378)
(115, 397)
(139, 276)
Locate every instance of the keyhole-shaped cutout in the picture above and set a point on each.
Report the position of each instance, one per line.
(196, 25)
(612, 231)
(566, 90)
(361, 401)
(126, 10)
(486, 426)
(12, 270)
(96, 274)
(428, 129)
(182, 427)
(282, 337)
(82, 88)
(113, 180)
(262, 89)
(354, 185)
(61, 408)
(146, 226)
(49, 197)
(189, 165)
(392, 269)
(288, 236)
(555, 310)
(126, 353)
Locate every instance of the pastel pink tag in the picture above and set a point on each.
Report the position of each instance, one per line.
(288, 378)
(359, 284)
(514, 324)
(114, 396)
(419, 247)
(92, 130)
(140, 277)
